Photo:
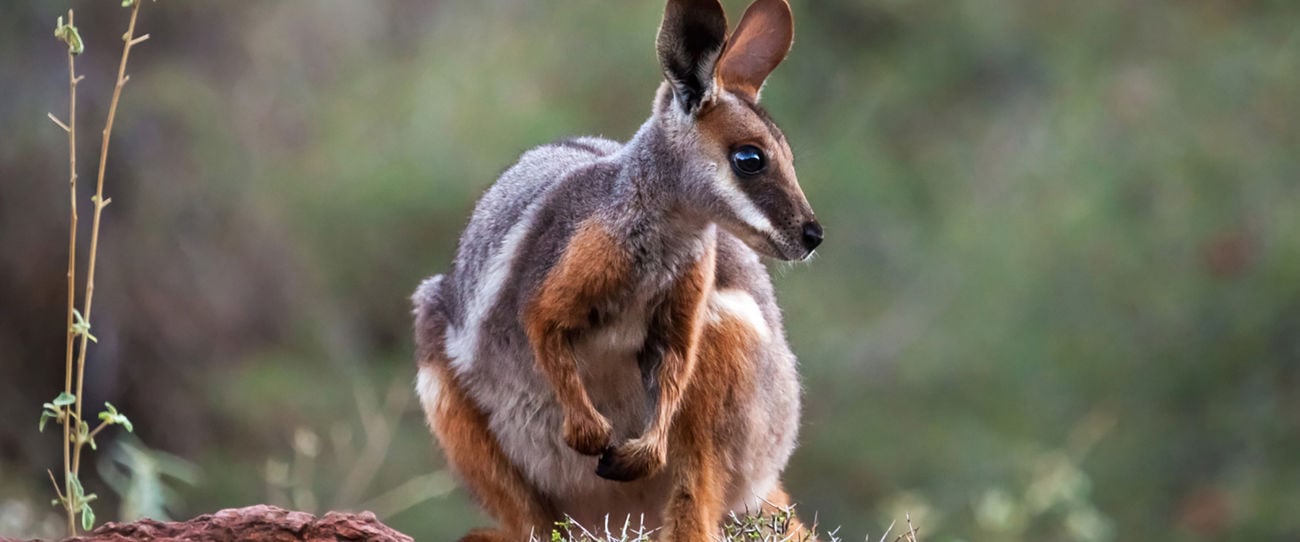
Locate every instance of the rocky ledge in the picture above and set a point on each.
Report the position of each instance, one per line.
(259, 523)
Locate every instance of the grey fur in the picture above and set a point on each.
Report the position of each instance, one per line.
(660, 196)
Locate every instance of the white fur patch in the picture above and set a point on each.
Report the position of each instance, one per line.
(739, 202)
(738, 304)
(755, 495)
(427, 387)
(462, 343)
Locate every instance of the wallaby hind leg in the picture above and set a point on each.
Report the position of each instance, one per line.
(695, 508)
(462, 430)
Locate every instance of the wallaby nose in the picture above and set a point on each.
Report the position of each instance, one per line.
(812, 235)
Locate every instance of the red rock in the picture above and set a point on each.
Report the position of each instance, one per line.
(260, 523)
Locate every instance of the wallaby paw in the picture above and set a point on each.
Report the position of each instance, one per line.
(587, 435)
(632, 460)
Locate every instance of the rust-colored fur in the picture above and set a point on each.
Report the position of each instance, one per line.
(590, 273)
(462, 431)
(695, 507)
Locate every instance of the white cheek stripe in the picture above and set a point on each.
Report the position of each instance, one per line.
(427, 387)
(740, 305)
(739, 202)
(462, 343)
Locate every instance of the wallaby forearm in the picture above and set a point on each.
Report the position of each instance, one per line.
(677, 326)
(590, 272)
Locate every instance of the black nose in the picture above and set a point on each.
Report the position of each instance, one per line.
(812, 235)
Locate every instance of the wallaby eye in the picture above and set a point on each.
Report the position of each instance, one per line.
(748, 160)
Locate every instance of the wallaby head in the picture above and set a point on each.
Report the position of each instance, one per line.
(736, 166)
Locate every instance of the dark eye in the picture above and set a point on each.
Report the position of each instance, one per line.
(748, 160)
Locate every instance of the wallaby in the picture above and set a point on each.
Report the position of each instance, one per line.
(607, 343)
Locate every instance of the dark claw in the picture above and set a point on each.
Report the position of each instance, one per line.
(615, 466)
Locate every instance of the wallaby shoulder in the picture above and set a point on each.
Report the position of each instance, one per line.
(547, 184)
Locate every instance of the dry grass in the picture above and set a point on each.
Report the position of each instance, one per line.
(774, 527)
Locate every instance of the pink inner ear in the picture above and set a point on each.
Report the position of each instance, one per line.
(761, 41)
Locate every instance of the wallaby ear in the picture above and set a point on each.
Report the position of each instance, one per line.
(689, 43)
(760, 43)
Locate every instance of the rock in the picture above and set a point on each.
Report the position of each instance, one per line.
(260, 523)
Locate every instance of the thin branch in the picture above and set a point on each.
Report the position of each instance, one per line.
(58, 122)
(910, 534)
(891, 527)
(97, 429)
(57, 491)
(100, 203)
(71, 128)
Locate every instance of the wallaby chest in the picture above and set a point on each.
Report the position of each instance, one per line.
(607, 363)
(615, 345)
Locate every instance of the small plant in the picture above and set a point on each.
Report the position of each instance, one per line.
(773, 524)
(66, 408)
(572, 531)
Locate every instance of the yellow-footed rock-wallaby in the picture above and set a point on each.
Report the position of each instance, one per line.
(607, 342)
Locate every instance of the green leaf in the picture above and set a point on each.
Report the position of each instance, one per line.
(69, 35)
(87, 518)
(49, 412)
(112, 416)
(75, 492)
(79, 325)
(65, 399)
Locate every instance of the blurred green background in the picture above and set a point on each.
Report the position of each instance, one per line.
(1059, 299)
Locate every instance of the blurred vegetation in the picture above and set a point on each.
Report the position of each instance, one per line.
(1059, 299)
